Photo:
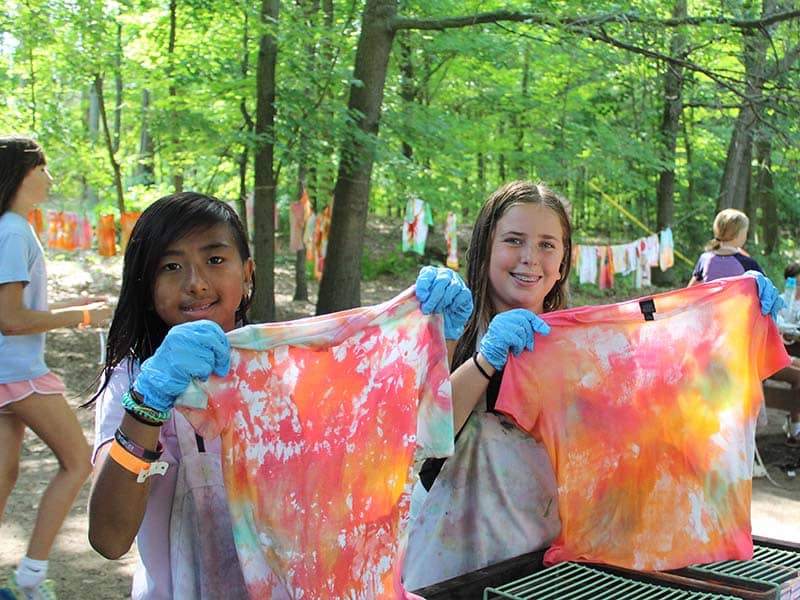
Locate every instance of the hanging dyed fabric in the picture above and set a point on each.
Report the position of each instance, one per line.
(55, 226)
(321, 420)
(297, 216)
(606, 279)
(451, 235)
(587, 264)
(415, 226)
(650, 424)
(642, 275)
(126, 222)
(36, 220)
(69, 232)
(106, 236)
(83, 234)
(322, 227)
(666, 256)
(309, 234)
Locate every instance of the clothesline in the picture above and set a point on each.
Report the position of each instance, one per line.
(598, 263)
(633, 219)
(69, 231)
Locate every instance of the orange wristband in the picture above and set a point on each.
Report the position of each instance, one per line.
(87, 319)
(141, 468)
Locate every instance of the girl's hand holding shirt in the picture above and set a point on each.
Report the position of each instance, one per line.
(195, 349)
(510, 331)
(441, 290)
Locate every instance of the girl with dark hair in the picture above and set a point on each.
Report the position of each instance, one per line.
(30, 394)
(188, 278)
(474, 514)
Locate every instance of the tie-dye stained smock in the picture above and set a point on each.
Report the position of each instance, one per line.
(650, 424)
(320, 420)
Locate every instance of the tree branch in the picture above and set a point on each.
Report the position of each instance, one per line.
(582, 22)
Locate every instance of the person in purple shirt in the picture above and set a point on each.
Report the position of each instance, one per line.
(724, 256)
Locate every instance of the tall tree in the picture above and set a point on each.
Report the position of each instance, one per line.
(341, 279)
(98, 85)
(670, 126)
(759, 71)
(264, 191)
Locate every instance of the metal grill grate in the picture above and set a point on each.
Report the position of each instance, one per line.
(774, 566)
(573, 581)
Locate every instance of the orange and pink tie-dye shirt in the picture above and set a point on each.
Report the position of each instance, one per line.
(650, 424)
(321, 421)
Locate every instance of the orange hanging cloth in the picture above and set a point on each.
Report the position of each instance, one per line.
(106, 236)
(323, 226)
(69, 240)
(54, 229)
(36, 220)
(127, 221)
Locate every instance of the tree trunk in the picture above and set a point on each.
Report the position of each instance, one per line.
(118, 88)
(177, 176)
(264, 203)
(670, 125)
(691, 194)
(738, 164)
(145, 169)
(248, 126)
(32, 85)
(736, 178)
(98, 85)
(300, 279)
(309, 8)
(764, 194)
(341, 279)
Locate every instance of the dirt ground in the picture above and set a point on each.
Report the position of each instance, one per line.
(79, 572)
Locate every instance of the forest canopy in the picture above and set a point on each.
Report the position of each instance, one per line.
(670, 110)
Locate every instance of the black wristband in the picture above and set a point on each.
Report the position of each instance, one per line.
(137, 397)
(137, 450)
(480, 368)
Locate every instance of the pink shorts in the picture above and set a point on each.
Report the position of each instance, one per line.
(49, 383)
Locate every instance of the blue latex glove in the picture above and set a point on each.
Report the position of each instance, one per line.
(510, 331)
(768, 295)
(189, 350)
(441, 290)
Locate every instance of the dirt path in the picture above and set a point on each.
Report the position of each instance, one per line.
(79, 572)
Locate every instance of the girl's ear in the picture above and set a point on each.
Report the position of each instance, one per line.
(249, 268)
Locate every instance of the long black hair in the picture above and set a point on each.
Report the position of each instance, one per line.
(136, 330)
(18, 157)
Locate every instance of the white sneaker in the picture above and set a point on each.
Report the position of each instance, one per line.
(43, 591)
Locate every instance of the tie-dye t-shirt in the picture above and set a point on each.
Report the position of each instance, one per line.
(650, 424)
(321, 420)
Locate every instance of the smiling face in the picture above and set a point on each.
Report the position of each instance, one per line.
(526, 253)
(202, 276)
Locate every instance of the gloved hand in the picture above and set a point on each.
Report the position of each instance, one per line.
(441, 290)
(768, 295)
(513, 331)
(189, 350)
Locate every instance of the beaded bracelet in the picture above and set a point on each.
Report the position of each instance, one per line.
(137, 450)
(480, 368)
(141, 468)
(142, 420)
(155, 417)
